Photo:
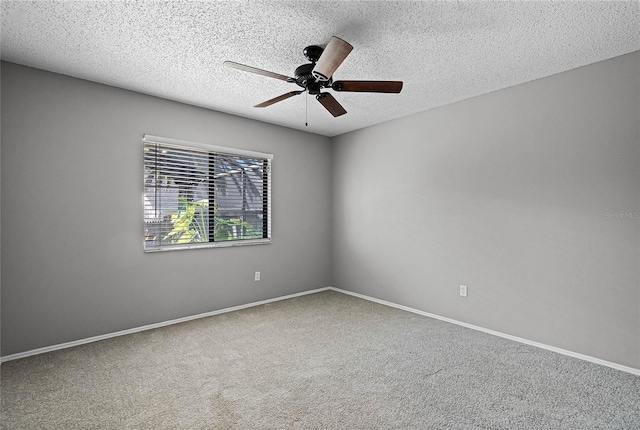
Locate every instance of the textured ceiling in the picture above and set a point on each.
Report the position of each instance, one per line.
(443, 51)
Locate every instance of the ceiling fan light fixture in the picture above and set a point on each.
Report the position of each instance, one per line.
(331, 58)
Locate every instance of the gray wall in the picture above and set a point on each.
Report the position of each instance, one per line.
(72, 213)
(522, 195)
(528, 195)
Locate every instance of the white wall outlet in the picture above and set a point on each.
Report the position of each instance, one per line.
(463, 290)
(257, 278)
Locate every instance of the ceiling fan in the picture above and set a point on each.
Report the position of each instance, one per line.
(317, 75)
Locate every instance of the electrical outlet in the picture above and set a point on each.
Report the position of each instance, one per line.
(463, 290)
(257, 278)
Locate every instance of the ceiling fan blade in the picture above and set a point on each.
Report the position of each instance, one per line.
(331, 58)
(257, 71)
(368, 86)
(331, 104)
(278, 99)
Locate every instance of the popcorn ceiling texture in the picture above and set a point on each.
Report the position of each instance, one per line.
(443, 51)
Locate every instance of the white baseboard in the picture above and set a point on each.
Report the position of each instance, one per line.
(496, 333)
(150, 327)
(362, 296)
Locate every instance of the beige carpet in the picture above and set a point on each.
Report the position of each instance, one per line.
(323, 361)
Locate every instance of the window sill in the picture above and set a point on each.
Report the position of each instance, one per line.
(226, 244)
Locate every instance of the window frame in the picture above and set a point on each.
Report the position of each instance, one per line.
(219, 150)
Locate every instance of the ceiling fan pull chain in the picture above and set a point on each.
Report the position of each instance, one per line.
(306, 109)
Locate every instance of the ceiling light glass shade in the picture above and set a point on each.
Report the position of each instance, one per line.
(333, 55)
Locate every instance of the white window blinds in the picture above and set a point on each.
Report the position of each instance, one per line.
(198, 195)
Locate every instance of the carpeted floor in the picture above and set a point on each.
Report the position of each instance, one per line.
(324, 361)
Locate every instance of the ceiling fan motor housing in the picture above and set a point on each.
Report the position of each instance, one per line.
(303, 74)
(305, 79)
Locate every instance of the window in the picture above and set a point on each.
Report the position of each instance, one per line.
(198, 195)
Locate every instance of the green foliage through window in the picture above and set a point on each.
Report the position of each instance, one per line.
(193, 195)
